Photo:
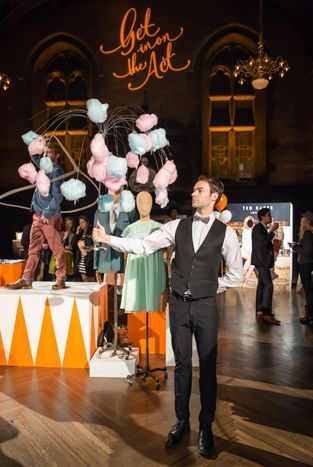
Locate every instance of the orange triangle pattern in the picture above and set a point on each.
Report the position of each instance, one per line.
(75, 352)
(47, 352)
(20, 352)
(92, 335)
(3, 360)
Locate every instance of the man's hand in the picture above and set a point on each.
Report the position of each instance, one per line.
(44, 219)
(274, 227)
(99, 234)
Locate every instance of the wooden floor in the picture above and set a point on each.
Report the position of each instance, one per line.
(264, 416)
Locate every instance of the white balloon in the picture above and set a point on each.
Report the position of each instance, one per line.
(216, 214)
(225, 216)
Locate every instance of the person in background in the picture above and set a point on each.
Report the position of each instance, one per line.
(25, 240)
(263, 259)
(84, 256)
(246, 243)
(304, 248)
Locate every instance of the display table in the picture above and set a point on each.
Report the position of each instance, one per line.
(45, 328)
(11, 272)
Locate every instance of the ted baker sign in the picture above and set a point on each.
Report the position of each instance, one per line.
(147, 50)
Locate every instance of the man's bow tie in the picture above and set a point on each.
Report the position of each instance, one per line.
(202, 219)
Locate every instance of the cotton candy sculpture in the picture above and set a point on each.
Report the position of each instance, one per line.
(225, 216)
(117, 167)
(159, 139)
(142, 174)
(28, 172)
(161, 197)
(37, 146)
(105, 203)
(99, 170)
(146, 121)
(73, 189)
(127, 201)
(139, 143)
(96, 111)
(46, 164)
(98, 147)
(42, 183)
(114, 184)
(132, 160)
(165, 176)
(29, 137)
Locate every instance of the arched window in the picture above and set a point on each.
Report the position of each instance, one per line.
(67, 77)
(235, 119)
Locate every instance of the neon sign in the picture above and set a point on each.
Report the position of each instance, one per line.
(148, 51)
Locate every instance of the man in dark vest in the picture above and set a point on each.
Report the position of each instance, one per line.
(263, 259)
(200, 243)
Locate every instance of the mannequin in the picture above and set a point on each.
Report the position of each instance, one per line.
(145, 277)
(145, 280)
(114, 221)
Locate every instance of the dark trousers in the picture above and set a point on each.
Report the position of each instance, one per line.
(264, 291)
(198, 318)
(306, 279)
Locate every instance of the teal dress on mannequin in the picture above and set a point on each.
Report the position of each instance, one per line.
(145, 278)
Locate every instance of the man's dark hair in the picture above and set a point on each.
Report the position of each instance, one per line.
(216, 186)
(262, 212)
(250, 223)
(55, 147)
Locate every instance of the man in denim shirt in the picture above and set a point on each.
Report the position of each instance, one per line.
(47, 224)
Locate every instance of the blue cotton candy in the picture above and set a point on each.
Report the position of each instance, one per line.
(96, 111)
(159, 139)
(46, 164)
(73, 189)
(105, 203)
(29, 137)
(117, 167)
(138, 143)
(127, 201)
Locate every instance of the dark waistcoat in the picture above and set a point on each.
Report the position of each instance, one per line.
(197, 272)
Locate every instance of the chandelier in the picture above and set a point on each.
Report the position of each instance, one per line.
(261, 69)
(4, 81)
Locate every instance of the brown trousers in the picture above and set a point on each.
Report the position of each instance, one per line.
(38, 233)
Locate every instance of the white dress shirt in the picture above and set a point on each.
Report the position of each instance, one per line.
(165, 237)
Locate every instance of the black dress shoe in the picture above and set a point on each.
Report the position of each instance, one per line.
(206, 441)
(177, 432)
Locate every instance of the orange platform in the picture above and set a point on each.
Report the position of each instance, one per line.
(11, 272)
(45, 328)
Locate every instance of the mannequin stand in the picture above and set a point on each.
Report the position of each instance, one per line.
(147, 372)
(115, 345)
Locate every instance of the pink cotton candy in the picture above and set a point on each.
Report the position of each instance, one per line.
(90, 165)
(99, 170)
(28, 172)
(42, 183)
(142, 174)
(146, 121)
(165, 176)
(114, 184)
(98, 147)
(37, 146)
(161, 197)
(132, 160)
